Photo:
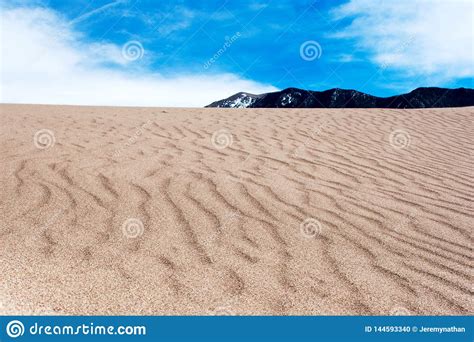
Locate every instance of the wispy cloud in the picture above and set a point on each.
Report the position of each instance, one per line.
(421, 37)
(44, 60)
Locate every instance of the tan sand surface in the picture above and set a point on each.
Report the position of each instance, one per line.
(220, 211)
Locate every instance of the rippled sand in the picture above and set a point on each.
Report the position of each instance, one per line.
(220, 211)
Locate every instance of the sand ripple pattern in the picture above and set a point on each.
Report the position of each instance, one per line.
(304, 212)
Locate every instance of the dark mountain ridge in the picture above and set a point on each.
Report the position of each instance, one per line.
(426, 97)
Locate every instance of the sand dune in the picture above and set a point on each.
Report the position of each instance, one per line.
(214, 211)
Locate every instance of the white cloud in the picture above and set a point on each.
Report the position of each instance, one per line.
(421, 37)
(43, 60)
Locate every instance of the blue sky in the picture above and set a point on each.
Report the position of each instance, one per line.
(211, 49)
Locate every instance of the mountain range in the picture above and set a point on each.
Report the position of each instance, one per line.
(426, 97)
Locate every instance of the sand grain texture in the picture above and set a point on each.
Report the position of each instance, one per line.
(222, 226)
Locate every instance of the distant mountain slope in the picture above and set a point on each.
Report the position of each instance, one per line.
(342, 98)
(239, 100)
